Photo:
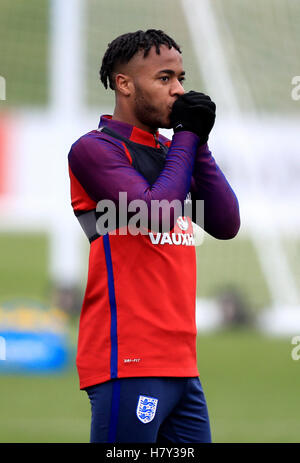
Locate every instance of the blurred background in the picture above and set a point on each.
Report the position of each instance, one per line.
(245, 55)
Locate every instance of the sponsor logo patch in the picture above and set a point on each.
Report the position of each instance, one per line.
(183, 223)
(146, 408)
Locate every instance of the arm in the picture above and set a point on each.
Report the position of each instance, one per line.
(103, 170)
(221, 208)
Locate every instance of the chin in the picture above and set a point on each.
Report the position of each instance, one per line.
(165, 125)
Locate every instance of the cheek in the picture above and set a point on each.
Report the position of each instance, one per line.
(159, 96)
(152, 100)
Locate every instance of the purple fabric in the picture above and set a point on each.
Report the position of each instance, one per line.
(221, 208)
(102, 168)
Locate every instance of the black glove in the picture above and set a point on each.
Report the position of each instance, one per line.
(194, 112)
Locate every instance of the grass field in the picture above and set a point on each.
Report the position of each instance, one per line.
(252, 386)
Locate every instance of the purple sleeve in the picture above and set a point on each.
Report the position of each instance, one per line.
(102, 168)
(221, 208)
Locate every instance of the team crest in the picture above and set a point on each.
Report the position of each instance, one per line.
(146, 408)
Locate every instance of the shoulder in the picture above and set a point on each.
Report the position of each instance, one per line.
(94, 138)
(93, 143)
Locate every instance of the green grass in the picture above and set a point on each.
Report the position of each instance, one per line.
(43, 409)
(24, 34)
(23, 266)
(251, 385)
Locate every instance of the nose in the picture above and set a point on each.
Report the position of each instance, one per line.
(177, 89)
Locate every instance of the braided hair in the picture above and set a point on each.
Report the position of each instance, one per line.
(124, 47)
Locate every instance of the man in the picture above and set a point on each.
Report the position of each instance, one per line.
(137, 336)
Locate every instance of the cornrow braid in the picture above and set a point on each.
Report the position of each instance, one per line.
(124, 47)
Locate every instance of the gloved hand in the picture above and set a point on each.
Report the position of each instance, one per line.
(194, 112)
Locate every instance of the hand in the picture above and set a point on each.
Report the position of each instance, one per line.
(194, 112)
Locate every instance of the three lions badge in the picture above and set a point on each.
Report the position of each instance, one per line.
(146, 408)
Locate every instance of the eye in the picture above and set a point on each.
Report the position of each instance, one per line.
(181, 79)
(165, 78)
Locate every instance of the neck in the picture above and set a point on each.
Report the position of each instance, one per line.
(121, 116)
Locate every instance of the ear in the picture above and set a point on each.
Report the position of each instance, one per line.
(123, 84)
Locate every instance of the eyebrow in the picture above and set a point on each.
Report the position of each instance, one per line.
(170, 71)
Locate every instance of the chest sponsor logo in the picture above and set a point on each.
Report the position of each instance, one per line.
(178, 237)
(146, 408)
(185, 239)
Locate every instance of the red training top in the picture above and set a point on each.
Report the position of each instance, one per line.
(138, 313)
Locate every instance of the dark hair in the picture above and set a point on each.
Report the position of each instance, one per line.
(124, 47)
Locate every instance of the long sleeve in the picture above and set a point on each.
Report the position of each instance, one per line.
(104, 171)
(221, 208)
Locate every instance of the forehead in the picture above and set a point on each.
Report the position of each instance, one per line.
(169, 58)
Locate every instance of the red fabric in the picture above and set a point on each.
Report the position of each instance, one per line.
(144, 138)
(80, 200)
(93, 352)
(155, 293)
(156, 307)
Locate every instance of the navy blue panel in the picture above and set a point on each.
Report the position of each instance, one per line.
(146, 160)
(114, 414)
